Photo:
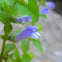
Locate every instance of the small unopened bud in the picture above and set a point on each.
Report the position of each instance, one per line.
(44, 11)
(27, 18)
(19, 20)
(51, 5)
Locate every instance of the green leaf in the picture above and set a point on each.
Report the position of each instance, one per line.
(8, 28)
(9, 3)
(3, 17)
(38, 45)
(25, 46)
(26, 58)
(30, 9)
(22, 1)
(43, 16)
(9, 47)
(31, 55)
(6, 9)
(1, 4)
(4, 37)
(16, 56)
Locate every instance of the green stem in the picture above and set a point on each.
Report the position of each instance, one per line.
(1, 56)
(2, 51)
(27, 45)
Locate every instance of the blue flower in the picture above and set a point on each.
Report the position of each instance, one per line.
(44, 11)
(23, 19)
(27, 18)
(51, 5)
(19, 20)
(29, 32)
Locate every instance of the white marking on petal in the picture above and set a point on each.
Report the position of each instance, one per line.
(33, 35)
(33, 29)
(37, 33)
(37, 27)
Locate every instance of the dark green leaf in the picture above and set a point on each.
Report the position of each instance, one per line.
(9, 47)
(3, 17)
(1, 4)
(38, 45)
(43, 16)
(8, 28)
(6, 9)
(4, 37)
(25, 46)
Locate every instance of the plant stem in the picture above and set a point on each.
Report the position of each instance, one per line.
(3, 46)
(27, 45)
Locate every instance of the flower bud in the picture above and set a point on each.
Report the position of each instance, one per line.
(27, 18)
(19, 20)
(51, 5)
(44, 11)
(29, 32)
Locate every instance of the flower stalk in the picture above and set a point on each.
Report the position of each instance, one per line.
(3, 46)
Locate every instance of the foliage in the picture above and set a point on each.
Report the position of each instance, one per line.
(38, 45)
(10, 10)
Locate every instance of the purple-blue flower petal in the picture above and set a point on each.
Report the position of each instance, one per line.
(23, 19)
(19, 20)
(27, 18)
(26, 33)
(44, 11)
(51, 5)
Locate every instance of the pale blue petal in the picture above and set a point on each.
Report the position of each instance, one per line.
(37, 33)
(33, 35)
